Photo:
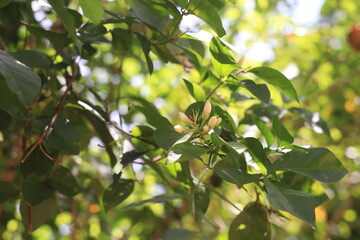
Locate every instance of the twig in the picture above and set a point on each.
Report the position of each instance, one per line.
(56, 115)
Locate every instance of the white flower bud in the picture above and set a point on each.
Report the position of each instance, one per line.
(207, 110)
(180, 129)
(212, 122)
(184, 118)
(206, 129)
(218, 121)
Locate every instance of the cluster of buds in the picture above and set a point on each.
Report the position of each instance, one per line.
(191, 125)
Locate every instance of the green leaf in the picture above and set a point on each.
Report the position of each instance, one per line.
(142, 11)
(5, 119)
(93, 10)
(186, 151)
(4, 3)
(59, 40)
(66, 17)
(114, 195)
(32, 59)
(227, 121)
(201, 202)
(156, 199)
(314, 120)
(145, 46)
(266, 132)
(121, 40)
(318, 163)
(283, 136)
(252, 223)
(64, 182)
(260, 91)
(178, 234)
(257, 151)
(128, 157)
(166, 137)
(21, 80)
(204, 10)
(195, 90)
(36, 163)
(62, 137)
(35, 191)
(8, 191)
(236, 176)
(299, 204)
(104, 134)
(277, 79)
(221, 58)
(40, 213)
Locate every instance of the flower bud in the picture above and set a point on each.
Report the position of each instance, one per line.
(206, 129)
(207, 110)
(212, 122)
(218, 121)
(184, 118)
(180, 129)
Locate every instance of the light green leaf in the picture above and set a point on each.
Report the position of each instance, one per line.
(277, 79)
(195, 90)
(21, 80)
(266, 132)
(299, 204)
(252, 223)
(93, 10)
(221, 58)
(318, 163)
(204, 10)
(283, 136)
(65, 16)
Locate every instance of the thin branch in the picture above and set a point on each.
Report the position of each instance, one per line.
(56, 115)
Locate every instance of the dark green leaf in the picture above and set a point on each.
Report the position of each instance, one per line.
(21, 80)
(64, 182)
(299, 204)
(32, 59)
(121, 40)
(314, 120)
(4, 3)
(128, 157)
(266, 132)
(156, 199)
(221, 58)
(8, 191)
(67, 18)
(201, 202)
(5, 119)
(236, 176)
(178, 234)
(35, 191)
(204, 10)
(59, 40)
(37, 163)
(260, 91)
(227, 121)
(92, 9)
(104, 134)
(277, 79)
(252, 223)
(142, 11)
(318, 163)
(114, 195)
(195, 90)
(62, 137)
(283, 136)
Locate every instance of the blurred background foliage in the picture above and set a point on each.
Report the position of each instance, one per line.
(306, 40)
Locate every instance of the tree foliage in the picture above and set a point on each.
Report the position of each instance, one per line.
(118, 121)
